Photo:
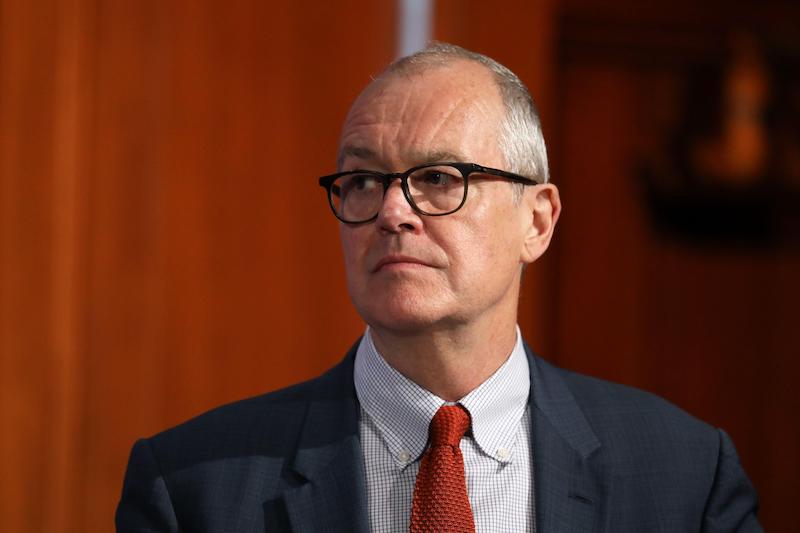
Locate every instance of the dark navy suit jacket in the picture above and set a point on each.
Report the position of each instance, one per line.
(606, 458)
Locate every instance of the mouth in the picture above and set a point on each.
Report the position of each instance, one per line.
(397, 262)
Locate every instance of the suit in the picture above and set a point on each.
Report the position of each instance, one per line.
(606, 458)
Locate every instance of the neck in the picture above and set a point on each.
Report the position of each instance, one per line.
(449, 362)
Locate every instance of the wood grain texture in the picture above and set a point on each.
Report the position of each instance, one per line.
(707, 327)
(164, 246)
(34, 392)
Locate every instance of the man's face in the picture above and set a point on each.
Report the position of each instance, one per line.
(409, 272)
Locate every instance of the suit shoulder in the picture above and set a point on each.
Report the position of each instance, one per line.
(643, 436)
(646, 442)
(272, 419)
(613, 407)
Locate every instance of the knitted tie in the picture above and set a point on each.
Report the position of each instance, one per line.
(440, 502)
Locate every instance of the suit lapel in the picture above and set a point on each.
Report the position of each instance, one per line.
(332, 495)
(569, 478)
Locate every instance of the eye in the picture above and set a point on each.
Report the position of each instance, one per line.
(364, 182)
(359, 183)
(437, 177)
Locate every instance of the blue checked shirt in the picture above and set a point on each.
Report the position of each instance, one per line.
(395, 415)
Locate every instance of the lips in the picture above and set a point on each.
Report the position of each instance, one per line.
(398, 260)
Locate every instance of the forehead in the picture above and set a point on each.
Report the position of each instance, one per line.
(450, 112)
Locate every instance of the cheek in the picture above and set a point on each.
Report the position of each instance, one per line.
(488, 250)
(474, 256)
(356, 243)
(351, 247)
(350, 254)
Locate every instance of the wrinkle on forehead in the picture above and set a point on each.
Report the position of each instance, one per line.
(419, 156)
(452, 113)
(404, 115)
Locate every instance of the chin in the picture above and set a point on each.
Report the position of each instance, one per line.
(405, 314)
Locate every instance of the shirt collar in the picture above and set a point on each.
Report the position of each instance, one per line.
(402, 410)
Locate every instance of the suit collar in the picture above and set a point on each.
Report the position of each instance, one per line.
(569, 477)
(553, 400)
(332, 493)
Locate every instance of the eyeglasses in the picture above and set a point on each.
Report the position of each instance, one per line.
(433, 189)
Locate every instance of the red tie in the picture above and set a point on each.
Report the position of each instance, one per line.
(440, 503)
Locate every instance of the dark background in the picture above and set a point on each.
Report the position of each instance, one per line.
(164, 246)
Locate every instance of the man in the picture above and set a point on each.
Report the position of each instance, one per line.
(440, 418)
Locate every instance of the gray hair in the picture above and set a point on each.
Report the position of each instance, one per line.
(521, 139)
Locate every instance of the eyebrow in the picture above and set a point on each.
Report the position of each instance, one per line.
(354, 151)
(436, 156)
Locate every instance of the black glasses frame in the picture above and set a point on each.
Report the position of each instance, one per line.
(466, 170)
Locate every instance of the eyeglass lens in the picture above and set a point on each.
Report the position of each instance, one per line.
(434, 190)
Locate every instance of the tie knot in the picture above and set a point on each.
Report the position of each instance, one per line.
(448, 425)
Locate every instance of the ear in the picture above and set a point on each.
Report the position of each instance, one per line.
(542, 206)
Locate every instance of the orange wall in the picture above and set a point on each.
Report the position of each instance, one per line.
(710, 327)
(164, 246)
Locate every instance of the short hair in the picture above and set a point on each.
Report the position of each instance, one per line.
(521, 139)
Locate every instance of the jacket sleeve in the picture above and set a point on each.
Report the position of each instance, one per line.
(732, 504)
(145, 505)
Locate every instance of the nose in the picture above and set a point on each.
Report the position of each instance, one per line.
(396, 214)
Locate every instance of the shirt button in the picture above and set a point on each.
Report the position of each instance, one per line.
(404, 456)
(503, 453)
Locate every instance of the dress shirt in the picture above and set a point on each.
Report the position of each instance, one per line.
(393, 425)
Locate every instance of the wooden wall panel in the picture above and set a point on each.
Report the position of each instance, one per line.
(122, 329)
(705, 326)
(601, 263)
(233, 245)
(39, 110)
(165, 246)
